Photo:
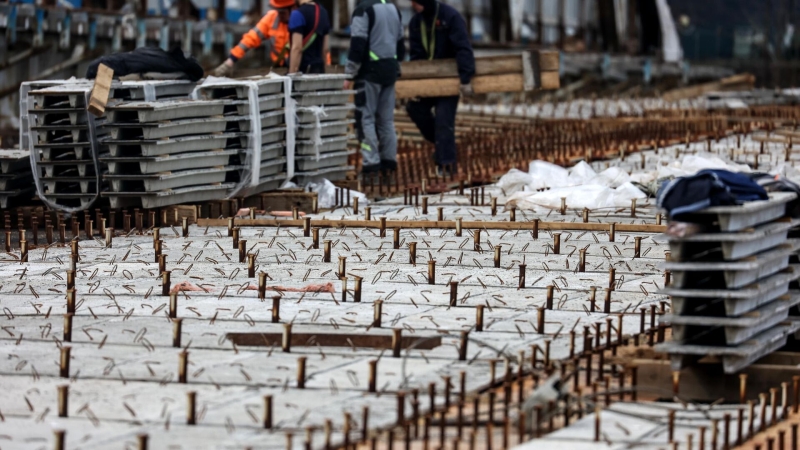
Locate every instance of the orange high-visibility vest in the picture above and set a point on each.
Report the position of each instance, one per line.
(268, 28)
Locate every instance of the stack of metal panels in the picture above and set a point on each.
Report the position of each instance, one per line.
(730, 284)
(240, 119)
(324, 123)
(65, 137)
(15, 175)
(167, 152)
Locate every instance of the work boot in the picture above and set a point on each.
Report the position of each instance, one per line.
(389, 171)
(369, 175)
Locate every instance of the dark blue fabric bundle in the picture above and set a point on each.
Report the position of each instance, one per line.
(708, 188)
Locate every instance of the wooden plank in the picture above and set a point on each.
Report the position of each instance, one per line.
(549, 81)
(444, 87)
(323, 339)
(447, 68)
(100, 90)
(549, 60)
(525, 226)
(742, 81)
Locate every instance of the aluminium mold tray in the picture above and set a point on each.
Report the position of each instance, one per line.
(160, 199)
(323, 98)
(734, 329)
(734, 274)
(268, 120)
(734, 358)
(269, 136)
(165, 181)
(135, 90)
(14, 161)
(161, 147)
(733, 245)
(331, 113)
(735, 302)
(334, 144)
(265, 183)
(59, 117)
(141, 112)
(318, 82)
(239, 90)
(739, 217)
(265, 103)
(331, 173)
(160, 164)
(326, 129)
(160, 130)
(311, 163)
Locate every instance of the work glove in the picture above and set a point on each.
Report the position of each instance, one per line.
(225, 69)
(466, 90)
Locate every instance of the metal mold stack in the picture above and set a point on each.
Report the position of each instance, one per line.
(322, 107)
(730, 285)
(65, 136)
(238, 119)
(15, 175)
(167, 152)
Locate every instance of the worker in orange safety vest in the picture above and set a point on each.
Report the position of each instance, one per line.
(274, 26)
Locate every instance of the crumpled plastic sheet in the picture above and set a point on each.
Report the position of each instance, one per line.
(326, 194)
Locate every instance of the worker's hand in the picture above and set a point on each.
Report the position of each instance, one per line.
(348, 85)
(466, 90)
(225, 69)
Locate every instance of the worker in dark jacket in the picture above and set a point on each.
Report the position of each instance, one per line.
(438, 31)
(376, 45)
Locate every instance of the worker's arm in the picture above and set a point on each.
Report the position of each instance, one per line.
(250, 40)
(465, 58)
(326, 55)
(255, 36)
(297, 24)
(416, 50)
(400, 53)
(359, 41)
(296, 52)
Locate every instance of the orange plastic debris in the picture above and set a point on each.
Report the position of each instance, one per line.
(186, 286)
(328, 287)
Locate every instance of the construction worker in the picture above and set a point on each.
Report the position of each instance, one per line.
(376, 45)
(274, 26)
(309, 26)
(438, 31)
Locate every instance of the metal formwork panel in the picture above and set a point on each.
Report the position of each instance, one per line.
(268, 120)
(331, 173)
(60, 133)
(167, 110)
(186, 161)
(135, 90)
(736, 330)
(334, 144)
(127, 131)
(239, 90)
(162, 147)
(735, 302)
(331, 113)
(269, 136)
(739, 217)
(164, 181)
(13, 161)
(318, 82)
(311, 163)
(150, 200)
(733, 245)
(70, 184)
(326, 129)
(734, 358)
(323, 98)
(52, 116)
(734, 273)
(265, 103)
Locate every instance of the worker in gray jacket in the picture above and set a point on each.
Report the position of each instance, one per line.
(376, 46)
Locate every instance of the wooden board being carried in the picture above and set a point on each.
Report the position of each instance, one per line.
(508, 73)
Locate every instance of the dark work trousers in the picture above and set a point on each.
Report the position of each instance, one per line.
(438, 127)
